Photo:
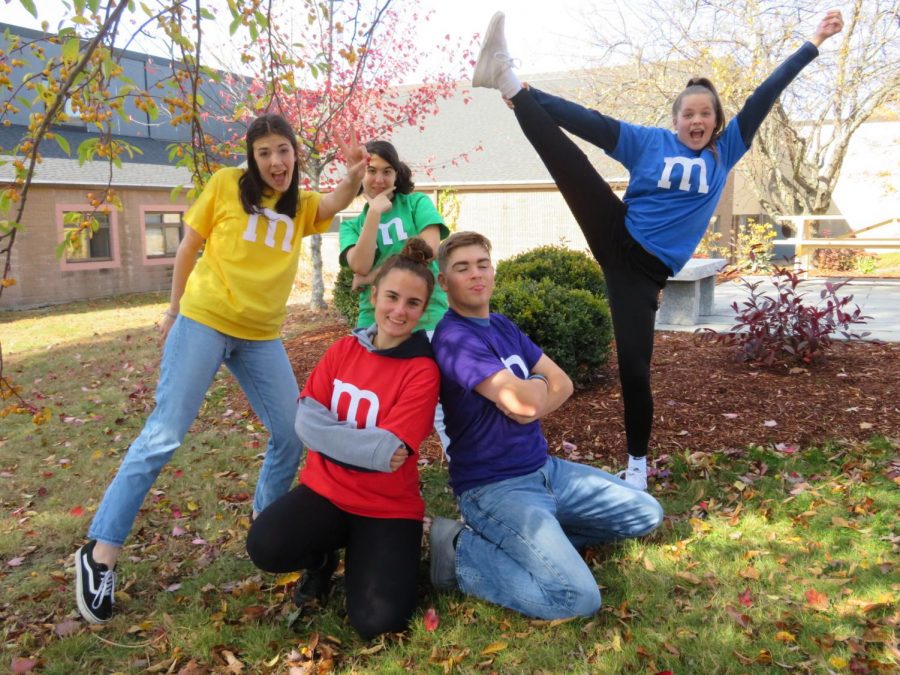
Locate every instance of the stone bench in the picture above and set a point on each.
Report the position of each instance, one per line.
(689, 294)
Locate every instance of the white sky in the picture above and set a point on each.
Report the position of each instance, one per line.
(544, 35)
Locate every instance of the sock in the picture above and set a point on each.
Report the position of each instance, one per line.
(639, 463)
(508, 82)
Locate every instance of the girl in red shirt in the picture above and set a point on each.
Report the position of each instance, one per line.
(362, 414)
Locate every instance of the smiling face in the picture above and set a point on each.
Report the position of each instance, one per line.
(380, 176)
(399, 299)
(468, 279)
(695, 120)
(275, 158)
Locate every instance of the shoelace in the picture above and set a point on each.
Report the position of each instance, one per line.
(507, 59)
(107, 587)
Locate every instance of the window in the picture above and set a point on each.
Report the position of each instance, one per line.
(87, 245)
(92, 249)
(340, 218)
(162, 233)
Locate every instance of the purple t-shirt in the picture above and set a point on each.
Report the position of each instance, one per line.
(485, 445)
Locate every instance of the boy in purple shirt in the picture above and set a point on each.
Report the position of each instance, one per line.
(526, 514)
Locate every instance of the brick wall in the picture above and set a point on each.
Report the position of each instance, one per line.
(40, 276)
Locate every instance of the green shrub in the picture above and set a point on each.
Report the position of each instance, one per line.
(569, 269)
(572, 326)
(346, 301)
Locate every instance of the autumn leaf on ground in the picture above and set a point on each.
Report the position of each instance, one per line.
(745, 598)
(431, 620)
(816, 599)
(21, 666)
(741, 619)
(76, 511)
(494, 647)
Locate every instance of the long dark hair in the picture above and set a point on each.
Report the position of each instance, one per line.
(702, 85)
(403, 185)
(251, 183)
(415, 257)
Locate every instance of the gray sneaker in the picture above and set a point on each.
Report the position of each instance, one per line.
(493, 56)
(443, 553)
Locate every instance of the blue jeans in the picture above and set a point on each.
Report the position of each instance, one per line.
(519, 546)
(193, 353)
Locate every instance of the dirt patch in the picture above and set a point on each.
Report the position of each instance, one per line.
(705, 400)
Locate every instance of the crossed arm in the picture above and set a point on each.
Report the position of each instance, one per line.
(525, 401)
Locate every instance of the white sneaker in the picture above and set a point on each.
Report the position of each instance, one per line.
(634, 477)
(493, 57)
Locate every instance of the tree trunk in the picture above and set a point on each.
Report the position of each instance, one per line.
(317, 295)
(317, 283)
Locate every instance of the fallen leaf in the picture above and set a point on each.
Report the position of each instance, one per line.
(431, 620)
(494, 647)
(816, 599)
(745, 598)
(785, 636)
(76, 511)
(66, 627)
(770, 423)
(15, 562)
(741, 619)
(21, 666)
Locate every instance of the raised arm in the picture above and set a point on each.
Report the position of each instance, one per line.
(761, 101)
(339, 199)
(361, 256)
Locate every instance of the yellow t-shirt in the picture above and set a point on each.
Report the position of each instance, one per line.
(241, 283)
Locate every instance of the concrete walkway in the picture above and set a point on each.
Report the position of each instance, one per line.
(877, 298)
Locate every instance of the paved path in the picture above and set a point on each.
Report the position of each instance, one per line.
(878, 299)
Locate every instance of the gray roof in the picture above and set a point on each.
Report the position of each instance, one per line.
(55, 171)
(475, 123)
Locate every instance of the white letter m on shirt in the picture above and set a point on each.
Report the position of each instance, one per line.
(687, 167)
(356, 396)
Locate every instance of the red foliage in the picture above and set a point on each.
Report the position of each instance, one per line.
(347, 68)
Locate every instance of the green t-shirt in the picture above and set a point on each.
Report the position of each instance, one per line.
(408, 217)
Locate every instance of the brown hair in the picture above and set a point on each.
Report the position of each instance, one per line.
(459, 240)
(415, 257)
(403, 184)
(702, 85)
(251, 184)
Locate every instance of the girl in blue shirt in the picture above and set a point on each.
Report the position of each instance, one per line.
(675, 181)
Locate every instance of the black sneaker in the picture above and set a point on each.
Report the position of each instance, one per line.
(95, 586)
(314, 586)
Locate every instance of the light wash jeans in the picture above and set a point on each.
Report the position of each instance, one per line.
(518, 548)
(192, 354)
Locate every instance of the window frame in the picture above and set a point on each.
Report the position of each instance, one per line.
(143, 210)
(114, 261)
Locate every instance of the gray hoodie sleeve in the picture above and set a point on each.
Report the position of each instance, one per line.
(321, 431)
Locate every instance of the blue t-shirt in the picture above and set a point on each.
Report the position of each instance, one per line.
(673, 190)
(485, 445)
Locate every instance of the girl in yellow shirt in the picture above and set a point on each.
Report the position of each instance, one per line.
(227, 307)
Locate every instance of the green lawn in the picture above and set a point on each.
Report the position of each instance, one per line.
(767, 561)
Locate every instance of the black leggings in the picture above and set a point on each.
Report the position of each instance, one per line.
(634, 277)
(381, 562)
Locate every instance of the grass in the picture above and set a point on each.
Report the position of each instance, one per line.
(767, 561)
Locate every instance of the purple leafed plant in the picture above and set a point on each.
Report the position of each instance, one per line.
(784, 327)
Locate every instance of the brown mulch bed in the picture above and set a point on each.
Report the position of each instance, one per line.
(707, 401)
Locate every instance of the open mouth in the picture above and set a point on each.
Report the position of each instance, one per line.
(697, 134)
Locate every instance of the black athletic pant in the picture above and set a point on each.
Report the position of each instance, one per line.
(634, 277)
(381, 561)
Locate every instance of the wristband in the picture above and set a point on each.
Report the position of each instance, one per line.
(170, 315)
(538, 376)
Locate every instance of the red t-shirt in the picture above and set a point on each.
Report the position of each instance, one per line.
(396, 394)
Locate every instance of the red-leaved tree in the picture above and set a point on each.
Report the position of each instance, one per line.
(342, 64)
